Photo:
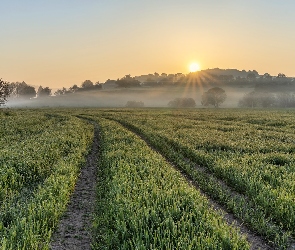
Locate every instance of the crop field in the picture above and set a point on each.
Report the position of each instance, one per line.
(40, 156)
(166, 179)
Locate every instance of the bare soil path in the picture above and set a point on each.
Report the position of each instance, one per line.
(74, 230)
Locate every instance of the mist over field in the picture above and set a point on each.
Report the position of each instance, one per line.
(229, 88)
(151, 97)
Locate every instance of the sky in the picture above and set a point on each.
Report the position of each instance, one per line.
(59, 43)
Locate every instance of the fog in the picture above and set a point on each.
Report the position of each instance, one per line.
(118, 97)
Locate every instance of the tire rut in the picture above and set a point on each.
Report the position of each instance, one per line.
(255, 240)
(74, 229)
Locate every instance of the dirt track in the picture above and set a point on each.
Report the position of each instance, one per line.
(74, 229)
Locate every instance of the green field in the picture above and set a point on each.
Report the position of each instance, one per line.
(243, 160)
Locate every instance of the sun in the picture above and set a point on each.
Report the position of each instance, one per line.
(194, 67)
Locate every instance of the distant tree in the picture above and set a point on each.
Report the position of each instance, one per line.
(87, 84)
(249, 100)
(62, 91)
(255, 72)
(22, 90)
(156, 74)
(182, 103)
(74, 88)
(285, 100)
(134, 104)
(165, 81)
(4, 91)
(251, 76)
(267, 76)
(281, 75)
(109, 81)
(225, 78)
(267, 100)
(214, 96)
(98, 85)
(257, 99)
(128, 81)
(43, 92)
(151, 82)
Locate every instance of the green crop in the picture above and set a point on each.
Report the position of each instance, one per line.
(247, 160)
(242, 159)
(40, 156)
(143, 203)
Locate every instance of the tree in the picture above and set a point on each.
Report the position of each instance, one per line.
(74, 88)
(97, 85)
(128, 81)
(257, 99)
(87, 84)
(249, 100)
(267, 76)
(214, 96)
(182, 103)
(42, 92)
(62, 91)
(151, 82)
(285, 99)
(22, 90)
(251, 76)
(4, 91)
(267, 99)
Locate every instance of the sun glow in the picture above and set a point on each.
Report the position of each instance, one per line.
(194, 67)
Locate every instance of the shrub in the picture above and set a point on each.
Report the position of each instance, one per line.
(182, 103)
(134, 104)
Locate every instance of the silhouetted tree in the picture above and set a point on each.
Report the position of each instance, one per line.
(43, 92)
(74, 88)
(151, 82)
(87, 84)
(98, 85)
(128, 81)
(182, 103)
(214, 96)
(4, 91)
(62, 91)
(22, 90)
(267, 76)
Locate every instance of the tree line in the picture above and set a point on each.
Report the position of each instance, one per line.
(22, 90)
(269, 91)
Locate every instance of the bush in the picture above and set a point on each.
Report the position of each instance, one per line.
(182, 103)
(134, 104)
